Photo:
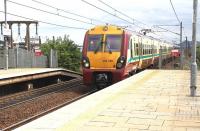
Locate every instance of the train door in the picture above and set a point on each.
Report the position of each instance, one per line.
(130, 51)
(152, 51)
(136, 52)
(141, 51)
(133, 55)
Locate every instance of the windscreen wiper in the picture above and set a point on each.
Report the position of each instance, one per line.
(97, 49)
(108, 47)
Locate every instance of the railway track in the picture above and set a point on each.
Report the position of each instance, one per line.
(9, 113)
(12, 100)
(47, 111)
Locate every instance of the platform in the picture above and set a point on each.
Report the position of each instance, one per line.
(11, 76)
(149, 101)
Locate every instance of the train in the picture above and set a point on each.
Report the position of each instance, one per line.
(175, 53)
(112, 53)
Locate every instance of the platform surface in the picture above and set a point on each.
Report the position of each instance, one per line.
(149, 101)
(4, 74)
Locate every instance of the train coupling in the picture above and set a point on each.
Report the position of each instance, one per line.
(102, 77)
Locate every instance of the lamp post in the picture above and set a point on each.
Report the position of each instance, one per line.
(181, 45)
(193, 80)
(6, 34)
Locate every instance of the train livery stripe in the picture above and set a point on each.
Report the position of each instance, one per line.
(144, 57)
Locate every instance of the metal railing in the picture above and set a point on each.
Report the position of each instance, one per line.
(21, 58)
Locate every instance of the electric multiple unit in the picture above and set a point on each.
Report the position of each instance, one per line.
(111, 53)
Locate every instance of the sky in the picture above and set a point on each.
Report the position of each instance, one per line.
(142, 14)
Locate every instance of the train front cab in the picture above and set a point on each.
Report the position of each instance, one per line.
(104, 52)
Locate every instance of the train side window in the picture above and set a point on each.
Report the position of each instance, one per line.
(129, 44)
(156, 49)
(131, 48)
(137, 49)
(152, 49)
(134, 50)
(143, 50)
(151, 46)
(149, 49)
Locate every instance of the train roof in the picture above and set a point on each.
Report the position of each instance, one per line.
(106, 29)
(120, 29)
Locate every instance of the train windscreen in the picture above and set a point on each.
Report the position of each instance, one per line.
(95, 43)
(113, 43)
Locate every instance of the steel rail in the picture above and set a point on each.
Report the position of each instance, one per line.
(33, 94)
(46, 112)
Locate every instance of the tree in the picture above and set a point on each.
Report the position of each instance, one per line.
(69, 55)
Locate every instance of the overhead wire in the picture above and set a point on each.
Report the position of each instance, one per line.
(168, 30)
(80, 28)
(177, 17)
(79, 15)
(121, 12)
(50, 12)
(59, 9)
(110, 13)
(115, 9)
(174, 11)
(129, 17)
(71, 13)
(172, 25)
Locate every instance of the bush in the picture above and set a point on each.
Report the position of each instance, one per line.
(69, 55)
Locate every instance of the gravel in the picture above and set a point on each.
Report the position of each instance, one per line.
(23, 111)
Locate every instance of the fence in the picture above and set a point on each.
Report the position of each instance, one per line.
(53, 59)
(21, 58)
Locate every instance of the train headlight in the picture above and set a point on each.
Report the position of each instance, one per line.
(119, 65)
(85, 62)
(121, 62)
(86, 65)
